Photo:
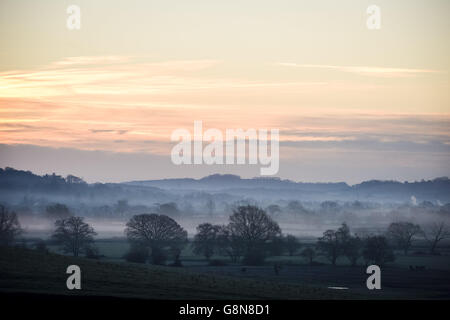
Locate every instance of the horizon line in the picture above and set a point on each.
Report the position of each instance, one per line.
(233, 175)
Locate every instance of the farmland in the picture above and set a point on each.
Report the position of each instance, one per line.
(111, 275)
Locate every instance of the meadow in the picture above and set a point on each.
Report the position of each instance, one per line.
(30, 271)
(432, 281)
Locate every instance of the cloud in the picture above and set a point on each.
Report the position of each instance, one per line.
(90, 60)
(126, 105)
(100, 75)
(366, 70)
(125, 76)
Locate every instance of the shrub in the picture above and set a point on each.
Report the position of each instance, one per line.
(92, 253)
(137, 254)
(159, 256)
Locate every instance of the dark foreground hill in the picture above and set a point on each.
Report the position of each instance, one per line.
(29, 271)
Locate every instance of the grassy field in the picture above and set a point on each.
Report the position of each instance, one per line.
(111, 275)
(25, 270)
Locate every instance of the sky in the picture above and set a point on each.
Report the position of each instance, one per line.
(101, 102)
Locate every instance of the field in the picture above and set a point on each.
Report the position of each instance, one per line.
(111, 275)
(28, 271)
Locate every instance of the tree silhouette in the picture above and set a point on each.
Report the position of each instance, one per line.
(353, 249)
(377, 250)
(9, 226)
(332, 243)
(435, 233)
(329, 245)
(292, 244)
(205, 241)
(254, 229)
(74, 235)
(157, 232)
(402, 233)
(228, 244)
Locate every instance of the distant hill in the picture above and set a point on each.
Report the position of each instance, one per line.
(17, 184)
(220, 182)
(20, 183)
(437, 189)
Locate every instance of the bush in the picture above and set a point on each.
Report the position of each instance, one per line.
(377, 251)
(92, 253)
(159, 256)
(254, 258)
(137, 254)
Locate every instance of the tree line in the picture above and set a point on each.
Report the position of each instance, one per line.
(250, 236)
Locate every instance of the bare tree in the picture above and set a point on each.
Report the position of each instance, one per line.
(229, 245)
(157, 232)
(403, 233)
(253, 225)
(254, 229)
(351, 244)
(292, 244)
(205, 241)
(310, 254)
(377, 250)
(74, 235)
(9, 226)
(332, 243)
(436, 233)
(353, 249)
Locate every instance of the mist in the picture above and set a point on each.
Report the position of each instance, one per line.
(301, 209)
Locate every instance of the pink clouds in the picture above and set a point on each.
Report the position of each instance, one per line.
(123, 104)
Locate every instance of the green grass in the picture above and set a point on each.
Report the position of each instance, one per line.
(25, 270)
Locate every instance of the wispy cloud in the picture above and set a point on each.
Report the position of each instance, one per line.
(126, 104)
(112, 75)
(95, 102)
(98, 75)
(90, 60)
(366, 70)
